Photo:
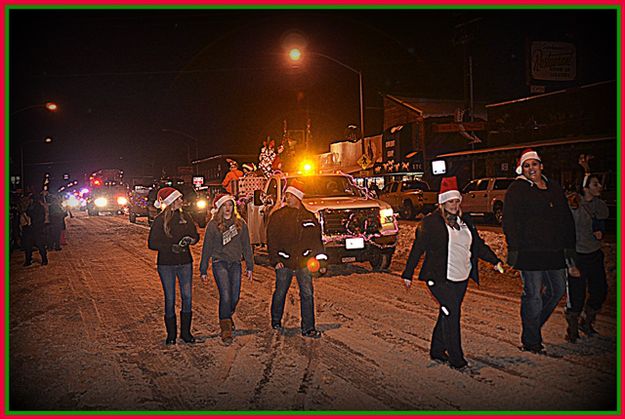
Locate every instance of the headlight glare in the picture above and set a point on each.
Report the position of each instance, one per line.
(386, 215)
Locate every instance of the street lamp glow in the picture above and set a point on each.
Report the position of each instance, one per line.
(47, 140)
(295, 54)
(51, 106)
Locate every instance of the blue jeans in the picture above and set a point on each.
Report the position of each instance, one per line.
(284, 276)
(168, 274)
(228, 278)
(537, 303)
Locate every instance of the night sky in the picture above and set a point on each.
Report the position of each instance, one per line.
(122, 76)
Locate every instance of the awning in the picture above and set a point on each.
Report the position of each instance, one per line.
(536, 144)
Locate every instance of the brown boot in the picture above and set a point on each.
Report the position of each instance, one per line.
(226, 331)
(572, 322)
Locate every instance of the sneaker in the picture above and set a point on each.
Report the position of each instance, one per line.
(28, 263)
(276, 326)
(44, 262)
(313, 333)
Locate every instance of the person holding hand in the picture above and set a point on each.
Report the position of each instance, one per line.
(452, 247)
(589, 291)
(540, 233)
(226, 242)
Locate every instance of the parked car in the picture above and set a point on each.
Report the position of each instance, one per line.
(409, 197)
(484, 197)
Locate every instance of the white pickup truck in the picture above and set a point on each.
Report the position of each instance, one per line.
(355, 227)
(410, 197)
(484, 197)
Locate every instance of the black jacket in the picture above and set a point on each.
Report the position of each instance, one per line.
(168, 254)
(539, 227)
(432, 239)
(293, 237)
(37, 214)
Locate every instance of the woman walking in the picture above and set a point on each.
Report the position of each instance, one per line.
(226, 242)
(171, 234)
(589, 213)
(452, 247)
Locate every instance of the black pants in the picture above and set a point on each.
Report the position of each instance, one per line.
(54, 238)
(592, 279)
(34, 238)
(446, 335)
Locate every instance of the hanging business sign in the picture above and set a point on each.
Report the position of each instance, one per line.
(553, 61)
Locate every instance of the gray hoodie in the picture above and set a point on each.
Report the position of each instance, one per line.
(229, 246)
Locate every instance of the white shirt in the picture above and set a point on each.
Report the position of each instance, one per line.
(459, 252)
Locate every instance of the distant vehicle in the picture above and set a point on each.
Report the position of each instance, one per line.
(484, 197)
(107, 200)
(106, 177)
(409, 197)
(138, 202)
(195, 202)
(212, 189)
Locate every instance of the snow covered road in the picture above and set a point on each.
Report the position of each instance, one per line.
(86, 333)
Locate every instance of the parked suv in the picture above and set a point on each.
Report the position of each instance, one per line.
(484, 197)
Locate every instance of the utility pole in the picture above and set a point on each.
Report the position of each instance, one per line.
(464, 35)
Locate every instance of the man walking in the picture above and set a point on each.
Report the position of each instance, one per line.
(540, 233)
(294, 246)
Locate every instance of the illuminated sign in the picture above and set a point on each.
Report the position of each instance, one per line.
(198, 181)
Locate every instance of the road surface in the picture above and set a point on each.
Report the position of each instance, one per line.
(87, 333)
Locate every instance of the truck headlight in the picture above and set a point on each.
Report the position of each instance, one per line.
(100, 202)
(386, 216)
(121, 200)
(201, 204)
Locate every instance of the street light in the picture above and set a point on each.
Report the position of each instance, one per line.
(50, 106)
(295, 55)
(184, 134)
(46, 140)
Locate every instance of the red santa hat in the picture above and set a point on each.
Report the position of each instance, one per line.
(527, 154)
(296, 189)
(449, 190)
(166, 196)
(221, 199)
